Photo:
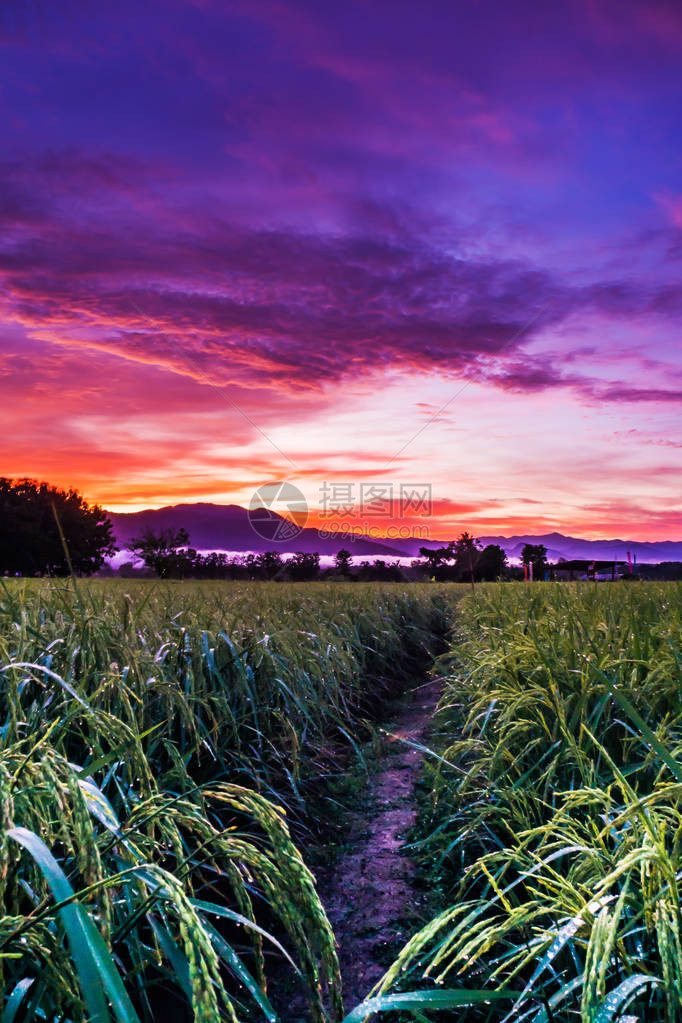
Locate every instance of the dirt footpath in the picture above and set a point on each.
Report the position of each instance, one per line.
(369, 894)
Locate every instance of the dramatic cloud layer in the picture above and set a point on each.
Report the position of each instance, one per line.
(435, 242)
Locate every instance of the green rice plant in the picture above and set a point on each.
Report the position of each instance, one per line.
(556, 817)
(240, 675)
(152, 740)
(138, 877)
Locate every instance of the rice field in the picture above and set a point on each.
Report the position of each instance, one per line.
(555, 821)
(156, 740)
(163, 751)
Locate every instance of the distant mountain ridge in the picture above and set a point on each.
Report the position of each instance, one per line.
(228, 527)
(569, 547)
(575, 547)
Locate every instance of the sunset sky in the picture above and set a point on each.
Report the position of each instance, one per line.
(394, 242)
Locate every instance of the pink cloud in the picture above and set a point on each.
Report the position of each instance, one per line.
(247, 233)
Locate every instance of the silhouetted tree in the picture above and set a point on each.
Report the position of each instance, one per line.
(167, 553)
(342, 562)
(269, 564)
(466, 551)
(380, 571)
(215, 565)
(491, 563)
(535, 554)
(31, 516)
(435, 557)
(303, 567)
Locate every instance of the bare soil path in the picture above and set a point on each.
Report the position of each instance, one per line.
(369, 892)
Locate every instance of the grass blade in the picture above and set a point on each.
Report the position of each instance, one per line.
(97, 971)
(447, 999)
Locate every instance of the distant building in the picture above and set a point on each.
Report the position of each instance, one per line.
(605, 571)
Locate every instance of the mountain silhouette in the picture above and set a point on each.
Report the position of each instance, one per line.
(230, 527)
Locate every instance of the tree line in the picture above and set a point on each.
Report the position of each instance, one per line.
(464, 559)
(168, 555)
(50, 531)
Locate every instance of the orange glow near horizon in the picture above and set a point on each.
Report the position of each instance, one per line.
(317, 244)
(488, 467)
